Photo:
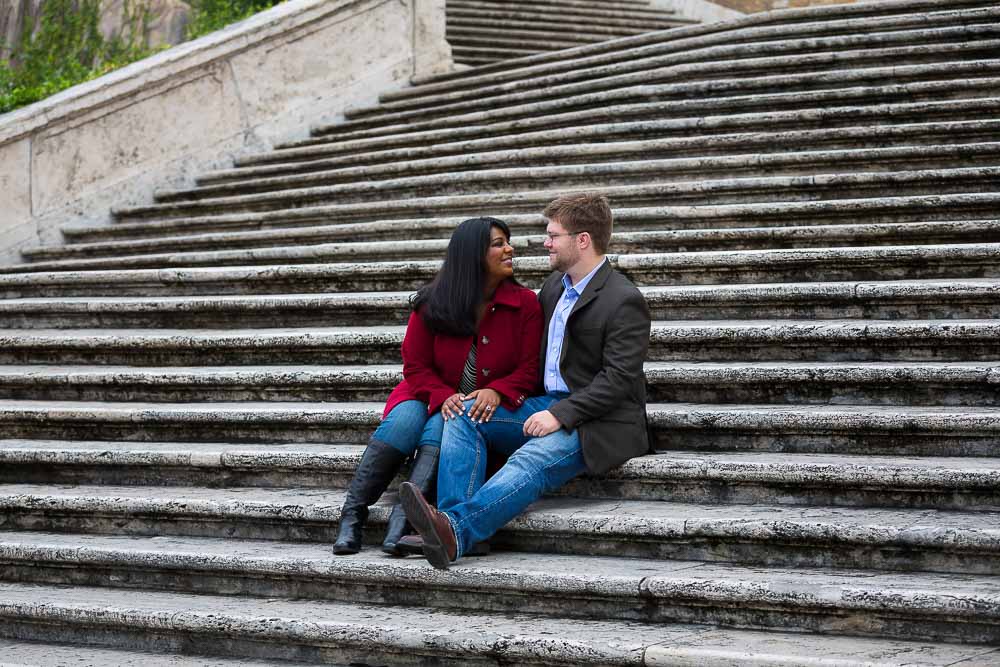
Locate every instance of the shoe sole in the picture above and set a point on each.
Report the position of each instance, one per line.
(434, 551)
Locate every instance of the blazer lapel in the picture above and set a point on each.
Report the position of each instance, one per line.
(593, 287)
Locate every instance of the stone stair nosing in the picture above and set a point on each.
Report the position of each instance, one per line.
(949, 300)
(330, 632)
(832, 119)
(591, 17)
(966, 260)
(681, 40)
(870, 11)
(829, 74)
(708, 477)
(903, 47)
(777, 382)
(632, 184)
(934, 150)
(893, 209)
(909, 540)
(934, 608)
(291, 243)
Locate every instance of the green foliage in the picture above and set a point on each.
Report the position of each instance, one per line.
(67, 48)
(211, 15)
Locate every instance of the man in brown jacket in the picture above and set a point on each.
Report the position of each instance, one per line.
(592, 416)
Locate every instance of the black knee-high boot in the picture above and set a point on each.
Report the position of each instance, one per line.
(423, 474)
(378, 467)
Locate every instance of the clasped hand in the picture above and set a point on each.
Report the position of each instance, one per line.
(486, 402)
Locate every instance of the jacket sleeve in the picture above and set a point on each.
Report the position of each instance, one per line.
(522, 381)
(625, 346)
(418, 365)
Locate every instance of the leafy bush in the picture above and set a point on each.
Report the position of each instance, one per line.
(67, 48)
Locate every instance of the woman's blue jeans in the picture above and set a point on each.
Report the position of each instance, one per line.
(408, 427)
(477, 508)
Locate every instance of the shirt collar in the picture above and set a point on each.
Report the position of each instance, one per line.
(582, 285)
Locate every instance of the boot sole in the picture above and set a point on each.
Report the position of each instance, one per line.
(434, 550)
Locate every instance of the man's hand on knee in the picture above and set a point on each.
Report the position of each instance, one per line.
(541, 424)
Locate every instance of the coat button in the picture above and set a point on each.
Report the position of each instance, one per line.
(486, 372)
(486, 341)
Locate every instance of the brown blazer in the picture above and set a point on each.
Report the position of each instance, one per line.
(607, 337)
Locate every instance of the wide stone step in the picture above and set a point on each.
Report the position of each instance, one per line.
(306, 243)
(906, 47)
(632, 184)
(822, 429)
(947, 300)
(934, 482)
(752, 29)
(940, 146)
(928, 607)
(850, 127)
(883, 383)
(395, 221)
(970, 260)
(642, 19)
(764, 88)
(331, 632)
(35, 653)
(878, 240)
(698, 340)
(776, 535)
(569, 31)
(872, 105)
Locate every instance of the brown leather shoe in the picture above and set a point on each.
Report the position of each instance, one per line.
(413, 545)
(439, 539)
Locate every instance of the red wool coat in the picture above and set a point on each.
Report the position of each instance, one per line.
(509, 337)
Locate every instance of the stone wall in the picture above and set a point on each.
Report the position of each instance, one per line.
(195, 107)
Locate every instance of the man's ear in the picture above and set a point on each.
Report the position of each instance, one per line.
(584, 241)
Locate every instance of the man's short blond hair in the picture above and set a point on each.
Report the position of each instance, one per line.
(584, 212)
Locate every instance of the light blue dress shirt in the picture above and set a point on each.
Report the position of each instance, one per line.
(557, 329)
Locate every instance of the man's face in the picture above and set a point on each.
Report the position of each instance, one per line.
(563, 251)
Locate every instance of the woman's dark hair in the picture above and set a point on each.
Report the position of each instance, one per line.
(448, 303)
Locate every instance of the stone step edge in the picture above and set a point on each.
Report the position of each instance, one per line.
(631, 265)
(603, 52)
(202, 623)
(922, 474)
(383, 195)
(688, 416)
(694, 65)
(924, 596)
(944, 149)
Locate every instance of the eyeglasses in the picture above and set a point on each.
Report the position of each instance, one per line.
(553, 237)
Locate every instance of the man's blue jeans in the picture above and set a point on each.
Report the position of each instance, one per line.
(408, 427)
(478, 509)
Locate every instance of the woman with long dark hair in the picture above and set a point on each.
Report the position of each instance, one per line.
(474, 334)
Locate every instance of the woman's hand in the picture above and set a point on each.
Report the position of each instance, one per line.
(486, 404)
(452, 408)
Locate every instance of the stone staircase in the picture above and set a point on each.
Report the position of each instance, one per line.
(808, 200)
(484, 32)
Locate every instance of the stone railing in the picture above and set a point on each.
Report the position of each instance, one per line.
(194, 107)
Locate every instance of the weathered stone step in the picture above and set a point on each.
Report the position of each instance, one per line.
(934, 482)
(833, 82)
(38, 653)
(778, 535)
(636, 183)
(811, 109)
(823, 429)
(493, 28)
(643, 19)
(847, 127)
(705, 340)
(325, 240)
(331, 632)
(969, 260)
(883, 383)
(755, 28)
(947, 300)
(935, 607)
(939, 146)
(779, 57)
(472, 55)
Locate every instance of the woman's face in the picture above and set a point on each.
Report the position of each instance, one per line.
(499, 256)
